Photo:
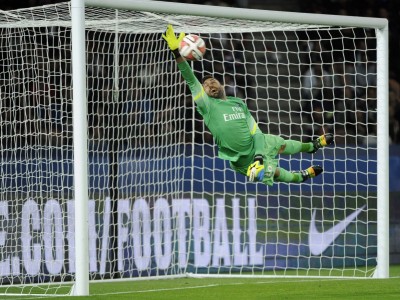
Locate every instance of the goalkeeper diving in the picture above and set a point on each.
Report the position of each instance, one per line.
(249, 151)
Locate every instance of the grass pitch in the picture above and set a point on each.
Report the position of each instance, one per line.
(259, 289)
(244, 288)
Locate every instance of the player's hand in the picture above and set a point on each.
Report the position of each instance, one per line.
(172, 41)
(256, 171)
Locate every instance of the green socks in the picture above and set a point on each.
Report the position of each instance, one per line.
(286, 176)
(293, 147)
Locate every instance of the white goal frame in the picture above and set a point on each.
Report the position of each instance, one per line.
(79, 107)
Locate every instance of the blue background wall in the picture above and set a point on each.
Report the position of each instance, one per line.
(350, 170)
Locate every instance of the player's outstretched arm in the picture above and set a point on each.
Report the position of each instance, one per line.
(195, 86)
(173, 42)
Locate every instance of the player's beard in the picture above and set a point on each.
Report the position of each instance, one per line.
(217, 93)
(221, 94)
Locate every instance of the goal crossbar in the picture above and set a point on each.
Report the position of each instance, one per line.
(240, 13)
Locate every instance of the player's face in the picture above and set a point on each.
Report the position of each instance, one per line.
(213, 88)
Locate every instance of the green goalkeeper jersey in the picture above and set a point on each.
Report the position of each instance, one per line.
(234, 129)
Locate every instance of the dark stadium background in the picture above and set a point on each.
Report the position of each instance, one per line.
(389, 9)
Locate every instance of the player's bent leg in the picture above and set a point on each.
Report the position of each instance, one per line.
(322, 141)
(282, 175)
(293, 147)
(311, 172)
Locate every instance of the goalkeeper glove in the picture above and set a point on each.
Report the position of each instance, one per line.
(173, 41)
(256, 170)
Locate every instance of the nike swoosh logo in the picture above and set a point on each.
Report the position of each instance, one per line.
(320, 241)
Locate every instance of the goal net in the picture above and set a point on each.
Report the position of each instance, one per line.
(160, 201)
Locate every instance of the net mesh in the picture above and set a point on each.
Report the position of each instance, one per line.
(161, 203)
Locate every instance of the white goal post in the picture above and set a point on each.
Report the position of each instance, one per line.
(108, 172)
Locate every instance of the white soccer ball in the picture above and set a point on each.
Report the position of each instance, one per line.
(192, 47)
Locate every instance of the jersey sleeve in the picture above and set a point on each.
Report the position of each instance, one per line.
(200, 98)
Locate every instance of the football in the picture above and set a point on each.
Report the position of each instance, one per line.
(192, 47)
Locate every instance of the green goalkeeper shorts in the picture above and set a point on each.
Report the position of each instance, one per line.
(272, 145)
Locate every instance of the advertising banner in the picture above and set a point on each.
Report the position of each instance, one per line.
(169, 236)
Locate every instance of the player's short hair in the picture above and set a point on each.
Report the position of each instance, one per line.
(206, 77)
